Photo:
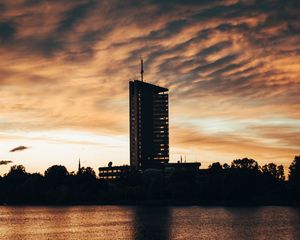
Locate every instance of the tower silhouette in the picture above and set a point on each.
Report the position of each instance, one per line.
(149, 124)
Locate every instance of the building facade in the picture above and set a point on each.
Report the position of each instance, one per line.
(149, 125)
(114, 173)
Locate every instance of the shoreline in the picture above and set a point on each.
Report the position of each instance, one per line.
(158, 204)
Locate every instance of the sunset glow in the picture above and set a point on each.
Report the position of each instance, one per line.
(232, 69)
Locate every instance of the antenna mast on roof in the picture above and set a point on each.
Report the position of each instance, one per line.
(142, 70)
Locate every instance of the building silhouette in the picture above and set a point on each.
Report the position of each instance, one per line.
(114, 172)
(149, 124)
(149, 132)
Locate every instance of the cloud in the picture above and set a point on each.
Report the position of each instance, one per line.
(73, 15)
(20, 148)
(5, 162)
(66, 65)
(7, 32)
(278, 147)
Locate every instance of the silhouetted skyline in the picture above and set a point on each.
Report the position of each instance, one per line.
(241, 182)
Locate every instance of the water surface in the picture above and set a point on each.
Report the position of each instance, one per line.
(145, 223)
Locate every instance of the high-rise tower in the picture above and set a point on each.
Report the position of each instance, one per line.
(149, 124)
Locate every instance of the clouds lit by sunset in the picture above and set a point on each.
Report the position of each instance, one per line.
(232, 68)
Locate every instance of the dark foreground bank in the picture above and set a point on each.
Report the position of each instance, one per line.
(243, 183)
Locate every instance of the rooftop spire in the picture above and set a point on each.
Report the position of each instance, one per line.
(142, 70)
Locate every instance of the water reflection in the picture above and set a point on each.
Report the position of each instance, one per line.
(259, 222)
(152, 223)
(147, 223)
(294, 222)
(243, 223)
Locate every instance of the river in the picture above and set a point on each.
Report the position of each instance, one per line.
(145, 223)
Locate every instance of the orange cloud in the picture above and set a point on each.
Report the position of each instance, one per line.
(66, 65)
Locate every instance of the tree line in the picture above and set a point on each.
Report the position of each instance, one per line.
(243, 182)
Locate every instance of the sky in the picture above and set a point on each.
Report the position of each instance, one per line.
(232, 69)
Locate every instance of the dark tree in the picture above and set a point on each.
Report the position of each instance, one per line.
(270, 169)
(32, 190)
(294, 177)
(56, 175)
(13, 180)
(226, 166)
(280, 173)
(215, 167)
(245, 163)
(214, 186)
(86, 174)
(17, 173)
(294, 174)
(242, 182)
(273, 170)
